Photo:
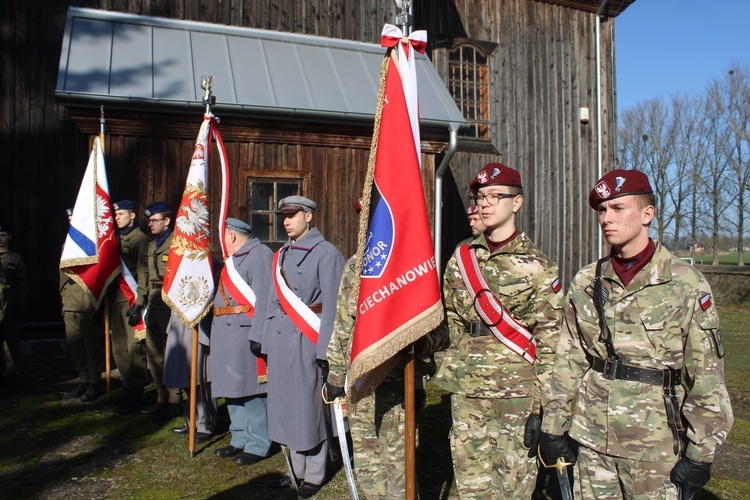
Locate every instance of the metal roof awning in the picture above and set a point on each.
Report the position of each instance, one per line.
(139, 62)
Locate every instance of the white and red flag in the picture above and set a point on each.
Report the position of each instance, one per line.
(91, 255)
(126, 282)
(188, 280)
(399, 297)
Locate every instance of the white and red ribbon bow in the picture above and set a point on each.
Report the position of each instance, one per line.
(392, 35)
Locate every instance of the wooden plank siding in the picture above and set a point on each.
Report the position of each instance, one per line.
(542, 71)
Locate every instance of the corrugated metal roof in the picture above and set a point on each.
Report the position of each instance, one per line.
(131, 61)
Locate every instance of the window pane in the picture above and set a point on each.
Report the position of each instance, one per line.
(261, 196)
(285, 189)
(261, 226)
(280, 231)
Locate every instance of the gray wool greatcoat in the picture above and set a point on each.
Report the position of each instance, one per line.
(313, 270)
(232, 370)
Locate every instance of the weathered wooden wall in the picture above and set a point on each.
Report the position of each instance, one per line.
(543, 71)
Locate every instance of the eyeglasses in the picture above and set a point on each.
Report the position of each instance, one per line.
(155, 220)
(492, 198)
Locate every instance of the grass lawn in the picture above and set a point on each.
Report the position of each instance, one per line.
(62, 449)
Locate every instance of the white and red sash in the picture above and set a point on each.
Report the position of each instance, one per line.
(129, 288)
(503, 326)
(237, 287)
(243, 294)
(303, 318)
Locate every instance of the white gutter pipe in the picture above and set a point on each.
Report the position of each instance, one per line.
(599, 113)
(439, 173)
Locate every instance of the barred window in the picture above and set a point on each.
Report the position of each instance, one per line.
(469, 84)
(263, 198)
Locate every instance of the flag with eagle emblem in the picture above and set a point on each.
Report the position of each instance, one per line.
(188, 281)
(91, 256)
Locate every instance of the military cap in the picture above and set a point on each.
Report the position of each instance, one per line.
(358, 204)
(238, 225)
(156, 208)
(124, 205)
(293, 204)
(495, 174)
(619, 183)
(5, 228)
(472, 210)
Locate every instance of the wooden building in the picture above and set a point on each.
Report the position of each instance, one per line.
(520, 71)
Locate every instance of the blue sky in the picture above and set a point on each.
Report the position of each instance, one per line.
(663, 46)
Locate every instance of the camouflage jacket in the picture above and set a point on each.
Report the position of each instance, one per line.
(340, 346)
(524, 280)
(151, 274)
(663, 318)
(134, 252)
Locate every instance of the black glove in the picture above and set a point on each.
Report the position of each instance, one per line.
(690, 475)
(323, 365)
(255, 348)
(554, 447)
(531, 433)
(333, 392)
(134, 315)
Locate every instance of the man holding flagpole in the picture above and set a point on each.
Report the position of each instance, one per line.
(504, 310)
(128, 348)
(157, 320)
(299, 321)
(237, 368)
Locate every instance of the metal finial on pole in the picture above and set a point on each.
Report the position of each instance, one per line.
(404, 19)
(207, 82)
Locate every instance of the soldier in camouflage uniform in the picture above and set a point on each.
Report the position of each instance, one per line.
(378, 421)
(496, 392)
(660, 367)
(475, 221)
(14, 292)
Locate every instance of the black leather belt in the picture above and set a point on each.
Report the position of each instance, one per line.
(477, 329)
(614, 369)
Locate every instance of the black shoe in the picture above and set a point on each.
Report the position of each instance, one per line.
(93, 393)
(134, 400)
(154, 408)
(247, 459)
(202, 437)
(181, 430)
(119, 400)
(307, 490)
(76, 392)
(281, 483)
(171, 411)
(227, 451)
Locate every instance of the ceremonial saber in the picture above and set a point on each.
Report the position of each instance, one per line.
(338, 412)
(561, 467)
(290, 470)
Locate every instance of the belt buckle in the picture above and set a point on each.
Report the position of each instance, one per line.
(611, 366)
(475, 329)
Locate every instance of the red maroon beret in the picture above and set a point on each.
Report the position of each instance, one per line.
(619, 183)
(472, 210)
(495, 174)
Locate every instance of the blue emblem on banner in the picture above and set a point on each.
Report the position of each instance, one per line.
(379, 237)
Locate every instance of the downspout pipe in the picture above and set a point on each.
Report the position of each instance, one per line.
(439, 174)
(599, 13)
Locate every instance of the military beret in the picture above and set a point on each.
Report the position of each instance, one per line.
(238, 225)
(124, 205)
(5, 228)
(619, 183)
(293, 204)
(156, 208)
(495, 174)
(358, 204)
(472, 210)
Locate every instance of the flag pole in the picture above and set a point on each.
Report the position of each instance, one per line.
(404, 21)
(107, 341)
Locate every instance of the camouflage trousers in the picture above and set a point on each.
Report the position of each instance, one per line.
(489, 459)
(377, 426)
(603, 477)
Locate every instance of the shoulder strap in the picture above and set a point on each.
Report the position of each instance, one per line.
(600, 295)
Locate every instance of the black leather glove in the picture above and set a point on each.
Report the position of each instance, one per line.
(134, 315)
(323, 365)
(690, 475)
(333, 392)
(255, 348)
(531, 433)
(553, 447)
